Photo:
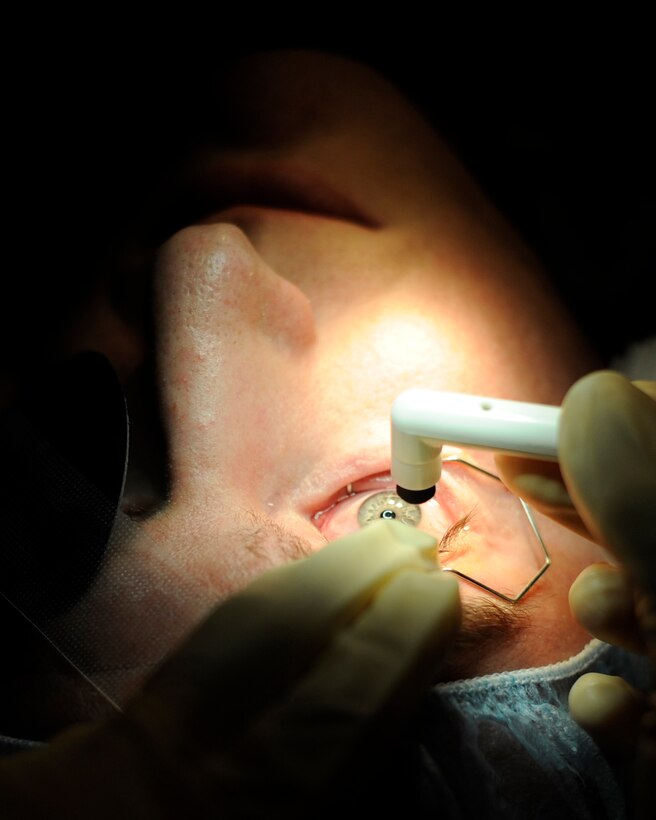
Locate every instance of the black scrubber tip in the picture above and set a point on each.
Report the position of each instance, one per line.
(415, 496)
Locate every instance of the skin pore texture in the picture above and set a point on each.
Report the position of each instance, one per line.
(343, 256)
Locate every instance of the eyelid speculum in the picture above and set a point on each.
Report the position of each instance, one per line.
(388, 505)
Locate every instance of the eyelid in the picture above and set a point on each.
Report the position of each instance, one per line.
(376, 483)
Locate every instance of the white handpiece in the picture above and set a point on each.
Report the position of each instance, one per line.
(424, 420)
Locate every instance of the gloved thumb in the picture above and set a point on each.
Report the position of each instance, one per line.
(607, 453)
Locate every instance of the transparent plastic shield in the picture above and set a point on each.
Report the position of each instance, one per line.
(94, 583)
(498, 547)
(486, 535)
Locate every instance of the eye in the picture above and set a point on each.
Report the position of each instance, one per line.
(389, 506)
(355, 509)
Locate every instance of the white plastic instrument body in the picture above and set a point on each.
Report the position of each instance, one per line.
(424, 420)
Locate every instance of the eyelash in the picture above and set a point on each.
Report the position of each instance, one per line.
(448, 539)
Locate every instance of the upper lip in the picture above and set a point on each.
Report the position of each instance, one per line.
(216, 183)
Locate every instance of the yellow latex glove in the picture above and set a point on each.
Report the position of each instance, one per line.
(606, 490)
(275, 703)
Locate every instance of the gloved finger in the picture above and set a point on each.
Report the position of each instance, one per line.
(541, 483)
(258, 643)
(603, 601)
(354, 698)
(622, 721)
(376, 665)
(610, 710)
(607, 452)
(646, 386)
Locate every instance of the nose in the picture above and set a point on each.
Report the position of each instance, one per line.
(211, 277)
(232, 335)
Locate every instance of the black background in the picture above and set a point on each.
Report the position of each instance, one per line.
(554, 121)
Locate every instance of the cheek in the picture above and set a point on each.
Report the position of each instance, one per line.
(494, 304)
(158, 581)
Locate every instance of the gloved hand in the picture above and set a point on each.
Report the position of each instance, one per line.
(606, 490)
(274, 705)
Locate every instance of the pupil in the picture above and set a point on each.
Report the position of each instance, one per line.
(388, 514)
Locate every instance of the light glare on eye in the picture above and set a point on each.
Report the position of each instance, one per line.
(388, 505)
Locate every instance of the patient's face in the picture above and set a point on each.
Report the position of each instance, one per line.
(344, 256)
